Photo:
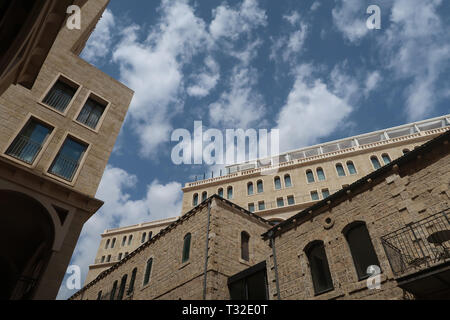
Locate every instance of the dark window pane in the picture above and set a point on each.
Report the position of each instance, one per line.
(287, 181)
(310, 176)
(60, 96)
(320, 271)
(123, 283)
(68, 159)
(340, 170)
(91, 113)
(186, 247)
(277, 183)
(260, 187)
(148, 271)
(245, 239)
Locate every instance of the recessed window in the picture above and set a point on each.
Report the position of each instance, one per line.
(280, 202)
(277, 181)
(119, 257)
(91, 113)
(261, 206)
(340, 170)
(108, 259)
(124, 240)
(113, 243)
(186, 248)
(230, 193)
(132, 281)
(130, 238)
(386, 158)
(123, 283)
(251, 207)
(320, 174)
(204, 196)
(318, 263)
(287, 181)
(113, 291)
(325, 193)
(107, 244)
(375, 162)
(250, 188)
(291, 200)
(103, 259)
(260, 186)
(314, 195)
(61, 94)
(150, 235)
(195, 200)
(27, 145)
(144, 235)
(68, 159)
(310, 176)
(148, 271)
(245, 241)
(220, 192)
(351, 167)
(99, 295)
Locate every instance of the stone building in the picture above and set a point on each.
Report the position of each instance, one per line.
(56, 136)
(393, 220)
(305, 176)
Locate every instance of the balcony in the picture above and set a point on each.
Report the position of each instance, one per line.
(24, 149)
(419, 255)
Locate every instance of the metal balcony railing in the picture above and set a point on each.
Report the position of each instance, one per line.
(64, 167)
(419, 245)
(24, 149)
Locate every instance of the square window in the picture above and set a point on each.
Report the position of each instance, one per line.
(61, 94)
(291, 200)
(314, 195)
(91, 113)
(261, 206)
(280, 202)
(68, 159)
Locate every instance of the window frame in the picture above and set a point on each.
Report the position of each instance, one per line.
(308, 250)
(312, 174)
(99, 99)
(50, 87)
(148, 272)
(353, 165)
(186, 252)
(343, 170)
(245, 249)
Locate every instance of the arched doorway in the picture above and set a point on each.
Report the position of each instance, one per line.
(26, 239)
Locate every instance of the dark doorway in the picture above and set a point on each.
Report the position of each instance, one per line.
(250, 284)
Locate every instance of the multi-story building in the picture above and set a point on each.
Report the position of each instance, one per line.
(116, 244)
(382, 236)
(55, 141)
(305, 176)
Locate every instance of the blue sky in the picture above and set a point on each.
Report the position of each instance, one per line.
(311, 69)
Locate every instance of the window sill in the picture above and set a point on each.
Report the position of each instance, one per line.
(184, 265)
(244, 262)
(323, 292)
(96, 130)
(55, 110)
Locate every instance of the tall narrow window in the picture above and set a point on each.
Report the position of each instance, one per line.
(310, 176)
(91, 113)
(245, 240)
(277, 181)
(119, 257)
(186, 248)
(60, 95)
(195, 200)
(148, 271)
(376, 164)
(107, 244)
(320, 174)
(68, 159)
(124, 240)
(318, 263)
(220, 192)
(150, 235)
(340, 170)
(123, 283)
(250, 188)
(351, 167)
(280, 202)
(287, 181)
(325, 193)
(260, 186)
(130, 238)
(108, 258)
(251, 207)
(99, 295)
(132, 281)
(113, 243)
(314, 195)
(261, 206)
(113, 291)
(204, 196)
(361, 248)
(27, 145)
(103, 259)
(386, 158)
(291, 200)
(230, 193)
(144, 235)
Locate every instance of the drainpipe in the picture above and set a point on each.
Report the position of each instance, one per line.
(206, 250)
(277, 284)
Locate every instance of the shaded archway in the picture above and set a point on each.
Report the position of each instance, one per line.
(26, 240)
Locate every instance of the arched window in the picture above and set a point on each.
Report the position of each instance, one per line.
(123, 283)
(310, 176)
(386, 158)
(148, 271)
(277, 181)
(204, 196)
(405, 151)
(245, 240)
(124, 240)
(361, 248)
(99, 295)
(320, 174)
(230, 193)
(220, 192)
(113, 291)
(376, 164)
(150, 235)
(250, 188)
(318, 264)
(287, 181)
(144, 235)
(107, 244)
(340, 170)
(186, 248)
(132, 281)
(260, 186)
(113, 243)
(195, 200)
(351, 167)
(130, 238)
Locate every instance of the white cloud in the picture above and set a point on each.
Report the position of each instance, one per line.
(205, 81)
(312, 111)
(349, 17)
(160, 202)
(315, 6)
(372, 81)
(100, 42)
